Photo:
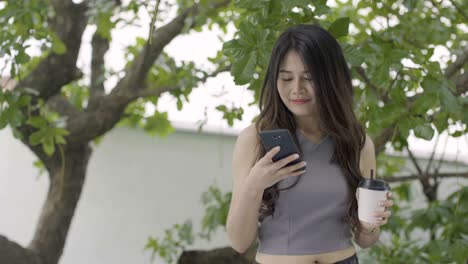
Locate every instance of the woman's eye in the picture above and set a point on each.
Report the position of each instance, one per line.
(286, 80)
(307, 78)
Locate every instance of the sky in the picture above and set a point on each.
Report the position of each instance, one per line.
(197, 47)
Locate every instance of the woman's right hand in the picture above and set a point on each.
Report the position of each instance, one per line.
(265, 172)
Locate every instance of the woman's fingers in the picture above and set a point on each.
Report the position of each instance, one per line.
(296, 166)
(270, 154)
(384, 214)
(292, 170)
(294, 173)
(381, 221)
(285, 161)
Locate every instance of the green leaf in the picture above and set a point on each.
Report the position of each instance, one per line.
(288, 5)
(159, 124)
(60, 140)
(449, 101)
(58, 131)
(48, 146)
(321, 7)
(13, 70)
(339, 27)
(58, 46)
(244, 68)
(37, 137)
(410, 4)
(179, 104)
(424, 131)
(425, 102)
(440, 121)
(37, 121)
(105, 25)
(22, 57)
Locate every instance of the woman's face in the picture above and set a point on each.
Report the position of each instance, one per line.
(295, 85)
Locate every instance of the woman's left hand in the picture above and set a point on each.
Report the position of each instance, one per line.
(381, 216)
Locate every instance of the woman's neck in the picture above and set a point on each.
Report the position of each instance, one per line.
(309, 125)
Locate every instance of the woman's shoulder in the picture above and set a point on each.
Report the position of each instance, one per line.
(247, 137)
(246, 147)
(248, 133)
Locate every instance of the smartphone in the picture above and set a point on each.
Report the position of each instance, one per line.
(282, 138)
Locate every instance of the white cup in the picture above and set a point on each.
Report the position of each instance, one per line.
(371, 193)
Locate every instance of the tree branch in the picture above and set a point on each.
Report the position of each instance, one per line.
(136, 74)
(415, 162)
(459, 9)
(441, 159)
(362, 73)
(453, 68)
(153, 92)
(461, 84)
(12, 253)
(98, 120)
(147, 92)
(416, 176)
(100, 45)
(60, 104)
(57, 70)
(383, 138)
(432, 156)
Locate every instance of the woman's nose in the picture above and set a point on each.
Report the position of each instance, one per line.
(297, 87)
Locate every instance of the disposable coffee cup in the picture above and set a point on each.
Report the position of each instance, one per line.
(371, 192)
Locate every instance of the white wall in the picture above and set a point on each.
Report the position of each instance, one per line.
(137, 186)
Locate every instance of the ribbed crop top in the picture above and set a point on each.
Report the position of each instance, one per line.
(309, 217)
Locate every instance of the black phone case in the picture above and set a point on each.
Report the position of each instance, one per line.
(282, 138)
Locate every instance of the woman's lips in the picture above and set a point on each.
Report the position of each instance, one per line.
(300, 101)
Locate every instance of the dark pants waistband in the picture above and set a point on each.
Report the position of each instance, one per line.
(351, 260)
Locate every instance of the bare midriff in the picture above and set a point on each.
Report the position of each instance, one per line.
(329, 257)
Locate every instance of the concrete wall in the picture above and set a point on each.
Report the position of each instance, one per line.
(137, 186)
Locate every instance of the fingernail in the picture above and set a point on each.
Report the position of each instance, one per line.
(296, 156)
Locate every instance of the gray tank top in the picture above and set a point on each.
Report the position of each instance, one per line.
(309, 217)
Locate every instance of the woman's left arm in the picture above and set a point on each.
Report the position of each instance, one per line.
(370, 233)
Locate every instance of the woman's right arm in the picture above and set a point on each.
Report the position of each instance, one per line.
(250, 178)
(241, 224)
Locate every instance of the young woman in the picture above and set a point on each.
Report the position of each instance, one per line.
(309, 216)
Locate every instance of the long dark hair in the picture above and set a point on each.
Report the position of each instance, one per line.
(323, 58)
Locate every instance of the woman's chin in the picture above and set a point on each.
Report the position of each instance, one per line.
(302, 114)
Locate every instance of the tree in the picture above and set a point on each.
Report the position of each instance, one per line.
(57, 112)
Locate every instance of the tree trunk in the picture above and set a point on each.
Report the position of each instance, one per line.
(12, 253)
(66, 183)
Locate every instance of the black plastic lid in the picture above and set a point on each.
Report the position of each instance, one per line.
(377, 185)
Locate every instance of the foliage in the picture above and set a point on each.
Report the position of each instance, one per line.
(170, 247)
